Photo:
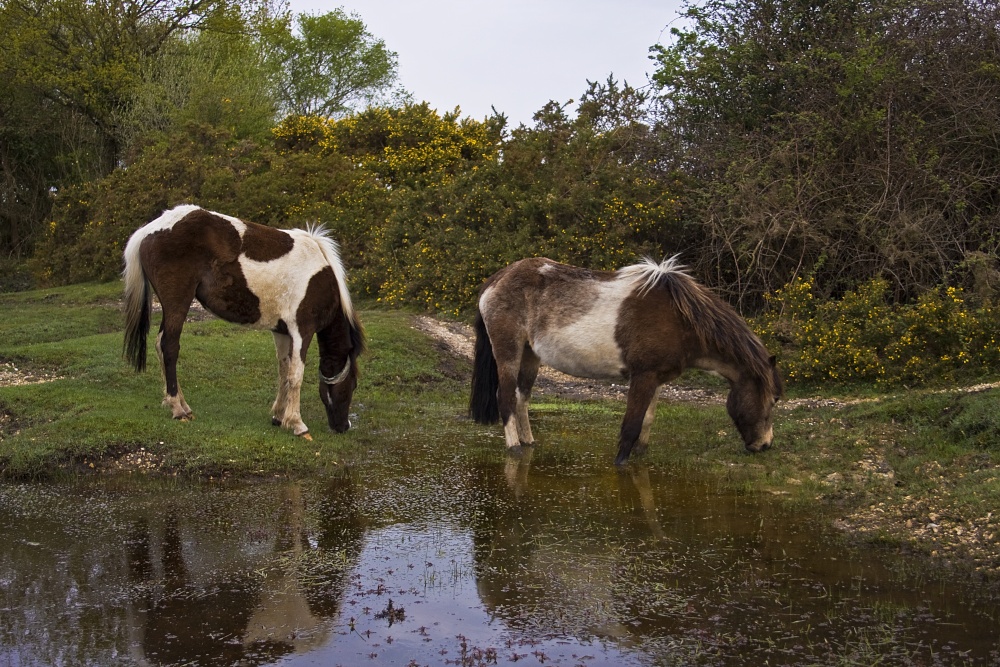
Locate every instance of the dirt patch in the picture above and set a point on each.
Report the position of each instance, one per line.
(139, 460)
(459, 339)
(13, 376)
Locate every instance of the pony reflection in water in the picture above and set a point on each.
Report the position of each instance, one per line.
(289, 281)
(646, 323)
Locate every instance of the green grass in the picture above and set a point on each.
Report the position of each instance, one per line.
(101, 408)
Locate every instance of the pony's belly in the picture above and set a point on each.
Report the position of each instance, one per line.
(589, 356)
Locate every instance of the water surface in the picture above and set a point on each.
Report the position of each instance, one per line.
(442, 553)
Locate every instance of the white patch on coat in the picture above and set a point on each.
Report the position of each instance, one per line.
(329, 247)
(484, 300)
(281, 283)
(587, 347)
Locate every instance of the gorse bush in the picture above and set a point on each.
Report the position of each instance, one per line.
(941, 337)
(424, 206)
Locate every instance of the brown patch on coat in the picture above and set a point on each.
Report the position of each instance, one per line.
(199, 258)
(653, 336)
(575, 289)
(265, 244)
(336, 334)
(719, 330)
(321, 300)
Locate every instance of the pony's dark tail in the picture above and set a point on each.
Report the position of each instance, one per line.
(138, 311)
(483, 404)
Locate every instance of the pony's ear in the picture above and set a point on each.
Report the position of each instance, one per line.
(774, 361)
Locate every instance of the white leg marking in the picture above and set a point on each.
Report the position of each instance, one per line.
(523, 425)
(179, 409)
(510, 432)
(296, 369)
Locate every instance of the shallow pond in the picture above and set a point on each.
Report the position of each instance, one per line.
(441, 553)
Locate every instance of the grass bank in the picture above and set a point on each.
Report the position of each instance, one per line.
(98, 413)
(914, 470)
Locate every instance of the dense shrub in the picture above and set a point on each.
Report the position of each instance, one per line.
(425, 206)
(941, 337)
(92, 221)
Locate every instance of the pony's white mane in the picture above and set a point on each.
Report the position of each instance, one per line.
(648, 271)
(331, 250)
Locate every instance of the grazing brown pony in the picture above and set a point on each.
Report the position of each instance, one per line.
(289, 281)
(646, 323)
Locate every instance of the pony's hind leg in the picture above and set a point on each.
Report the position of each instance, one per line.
(168, 349)
(283, 351)
(525, 381)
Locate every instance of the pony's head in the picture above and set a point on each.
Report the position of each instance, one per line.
(337, 389)
(751, 406)
(336, 392)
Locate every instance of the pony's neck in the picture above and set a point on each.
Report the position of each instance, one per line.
(719, 367)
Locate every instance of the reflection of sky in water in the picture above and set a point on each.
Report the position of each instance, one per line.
(429, 573)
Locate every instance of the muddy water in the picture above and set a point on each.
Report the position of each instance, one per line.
(430, 553)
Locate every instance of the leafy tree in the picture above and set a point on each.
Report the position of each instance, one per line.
(843, 136)
(73, 73)
(88, 56)
(208, 77)
(331, 65)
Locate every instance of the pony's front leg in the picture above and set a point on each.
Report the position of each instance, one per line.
(283, 350)
(642, 390)
(647, 422)
(168, 349)
(292, 418)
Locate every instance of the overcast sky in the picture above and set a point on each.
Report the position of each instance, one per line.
(514, 55)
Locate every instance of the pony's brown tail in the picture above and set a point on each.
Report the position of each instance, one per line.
(483, 404)
(137, 308)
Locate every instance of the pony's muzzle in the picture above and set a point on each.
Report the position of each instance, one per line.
(757, 447)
